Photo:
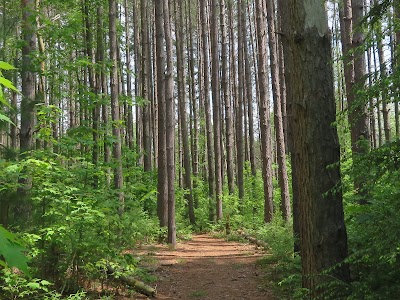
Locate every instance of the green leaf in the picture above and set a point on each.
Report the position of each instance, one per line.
(5, 118)
(8, 84)
(12, 251)
(33, 285)
(6, 66)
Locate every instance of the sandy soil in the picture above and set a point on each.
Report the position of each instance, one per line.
(207, 268)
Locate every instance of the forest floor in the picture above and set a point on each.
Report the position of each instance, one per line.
(206, 268)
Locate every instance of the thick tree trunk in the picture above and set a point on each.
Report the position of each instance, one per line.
(315, 146)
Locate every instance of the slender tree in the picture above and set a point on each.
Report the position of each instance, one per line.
(280, 139)
(115, 114)
(170, 126)
(162, 175)
(215, 83)
(187, 176)
(225, 87)
(206, 98)
(264, 110)
(28, 75)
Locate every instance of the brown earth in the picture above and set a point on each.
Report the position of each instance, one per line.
(207, 268)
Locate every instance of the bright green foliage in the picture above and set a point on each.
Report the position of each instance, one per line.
(73, 226)
(11, 250)
(374, 228)
(8, 84)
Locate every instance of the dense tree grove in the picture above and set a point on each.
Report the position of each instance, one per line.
(130, 121)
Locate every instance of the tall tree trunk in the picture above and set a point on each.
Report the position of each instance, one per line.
(358, 118)
(206, 95)
(194, 133)
(162, 175)
(129, 122)
(145, 87)
(248, 90)
(383, 75)
(117, 151)
(187, 176)
(397, 64)
(215, 82)
(28, 75)
(225, 87)
(264, 111)
(239, 109)
(315, 146)
(170, 127)
(280, 140)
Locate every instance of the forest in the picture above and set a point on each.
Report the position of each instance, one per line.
(130, 123)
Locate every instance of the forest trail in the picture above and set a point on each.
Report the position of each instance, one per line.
(208, 268)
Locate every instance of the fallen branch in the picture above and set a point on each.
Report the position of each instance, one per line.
(137, 285)
(252, 239)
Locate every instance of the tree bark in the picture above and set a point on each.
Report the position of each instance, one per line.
(187, 176)
(264, 111)
(215, 82)
(239, 109)
(206, 99)
(315, 146)
(162, 175)
(170, 127)
(280, 139)
(225, 87)
(28, 75)
(117, 151)
(145, 87)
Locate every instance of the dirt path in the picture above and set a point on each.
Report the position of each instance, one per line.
(208, 268)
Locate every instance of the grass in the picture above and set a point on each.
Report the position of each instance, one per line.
(197, 294)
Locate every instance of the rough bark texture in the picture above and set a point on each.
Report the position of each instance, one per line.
(280, 139)
(215, 83)
(145, 88)
(225, 86)
(264, 110)
(162, 175)
(187, 176)
(248, 95)
(239, 110)
(28, 75)
(358, 116)
(206, 86)
(117, 151)
(315, 151)
(170, 122)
